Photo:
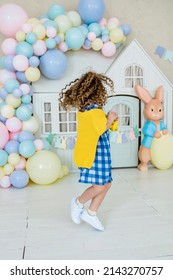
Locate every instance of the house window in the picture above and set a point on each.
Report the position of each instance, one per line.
(47, 124)
(67, 120)
(134, 75)
(123, 112)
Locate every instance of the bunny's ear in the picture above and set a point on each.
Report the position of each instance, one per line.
(143, 94)
(159, 93)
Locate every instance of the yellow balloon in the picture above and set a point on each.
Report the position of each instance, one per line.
(111, 25)
(2, 173)
(20, 36)
(32, 74)
(74, 17)
(33, 21)
(63, 22)
(44, 167)
(31, 125)
(116, 35)
(8, 169)
(65, 169)
(13, 101)
(97, 44)
(62, 37)
(7, 111)
(40, 31)
(13, 159)
(61, 174)
(162, 151)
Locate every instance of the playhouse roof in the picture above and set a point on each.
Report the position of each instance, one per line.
(134, 44)
(82, 60)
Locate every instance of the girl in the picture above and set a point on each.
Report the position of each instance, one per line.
(88, 94)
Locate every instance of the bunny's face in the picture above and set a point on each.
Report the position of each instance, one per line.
(154, 110)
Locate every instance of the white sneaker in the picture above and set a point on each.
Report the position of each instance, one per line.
(76, 211)
(92, 220)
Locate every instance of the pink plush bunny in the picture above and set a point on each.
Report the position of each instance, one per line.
(153, 112)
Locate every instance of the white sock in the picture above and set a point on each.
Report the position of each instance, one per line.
(78, 203)
(91, 213)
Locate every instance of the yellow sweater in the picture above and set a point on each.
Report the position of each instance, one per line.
(91, 124)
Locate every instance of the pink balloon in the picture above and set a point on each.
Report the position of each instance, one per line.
(114, 20)
(51, 32)
(91, 36)
(39, 48)
(27, 27)
(108, 49)
(103, 22)
(5, 75)
(12, 17)
(13, 124)
(22, 164)
(24, 88)
(5, 182)
(20, 62)
(39, 145)
(9, 46)
(63, 47)
(4, 135)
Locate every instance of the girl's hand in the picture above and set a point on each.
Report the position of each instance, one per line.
(112, 116)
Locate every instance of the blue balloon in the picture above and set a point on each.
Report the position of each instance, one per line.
(74, 38)
(25, 135)
(50, 43)
(55, 10)
(17, 92)
(51, 23)
(12, 147)
(34, 61)
(31, 37)
(19, 178)
(2, 119)
(91, 10)
(126, 29)
(23, 113)
(96, 28)
(25, 49)
(8, 63)
(2, 104)
(84, 30)
(11, 85)
(3, 157)
(2, 61)
(27, 148)
(53, 64)
(3, 93)
(21, 77)
(26, 99)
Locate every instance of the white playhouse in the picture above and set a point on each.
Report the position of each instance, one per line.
(131, 66)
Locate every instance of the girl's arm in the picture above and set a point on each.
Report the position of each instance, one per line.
(111, 117)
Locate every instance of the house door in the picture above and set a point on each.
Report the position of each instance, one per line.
(124, 147)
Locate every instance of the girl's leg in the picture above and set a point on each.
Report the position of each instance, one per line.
(98, 194)
(97, 200)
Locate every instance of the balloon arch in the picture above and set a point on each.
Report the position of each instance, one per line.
(34, 47)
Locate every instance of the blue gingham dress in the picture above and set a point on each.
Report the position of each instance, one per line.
(100, 172)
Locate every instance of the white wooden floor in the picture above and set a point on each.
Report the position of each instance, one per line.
(137, 213)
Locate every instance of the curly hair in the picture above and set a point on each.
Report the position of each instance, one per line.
(89, 89)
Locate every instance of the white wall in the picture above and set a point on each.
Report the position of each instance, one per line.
(151, 21)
